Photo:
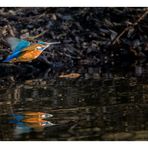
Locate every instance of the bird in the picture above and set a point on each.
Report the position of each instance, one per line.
(24, 51)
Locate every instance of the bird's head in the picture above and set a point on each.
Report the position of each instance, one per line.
(45, 45)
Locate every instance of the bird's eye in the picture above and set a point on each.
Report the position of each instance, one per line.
(39, 48)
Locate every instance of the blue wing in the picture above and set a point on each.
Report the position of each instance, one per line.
(12, 56)
(17, 44)
(21, 45)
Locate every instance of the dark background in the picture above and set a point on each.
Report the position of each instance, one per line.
(89, 36)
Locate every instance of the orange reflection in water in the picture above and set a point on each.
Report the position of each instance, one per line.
(37, 123)
(38, 114)
(35, 120)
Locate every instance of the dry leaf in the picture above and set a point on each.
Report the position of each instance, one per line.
(71, 75)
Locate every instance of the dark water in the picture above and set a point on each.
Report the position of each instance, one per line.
(96, 106)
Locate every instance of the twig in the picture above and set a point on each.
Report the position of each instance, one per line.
(11, 30)
(32, 38)
(129, 27)
(20, 18)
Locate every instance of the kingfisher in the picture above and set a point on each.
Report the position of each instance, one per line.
(25, 51)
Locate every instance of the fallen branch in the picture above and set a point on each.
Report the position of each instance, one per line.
(32, 38)
(129, 27)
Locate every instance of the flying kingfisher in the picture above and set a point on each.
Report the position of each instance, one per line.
(24, 51)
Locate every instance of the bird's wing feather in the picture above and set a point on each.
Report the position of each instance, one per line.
(12, 56)
(13, 42)
(21, 45)
(17, 44)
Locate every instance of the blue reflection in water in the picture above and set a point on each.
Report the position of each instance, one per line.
(20, 127)
(25, 123)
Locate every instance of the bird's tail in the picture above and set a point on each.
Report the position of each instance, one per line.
(10, 57)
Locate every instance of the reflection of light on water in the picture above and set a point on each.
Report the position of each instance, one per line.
(138, 70)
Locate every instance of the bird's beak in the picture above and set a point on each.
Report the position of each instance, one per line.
(52, 43)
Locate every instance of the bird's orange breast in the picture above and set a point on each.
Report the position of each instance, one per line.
(30, 53)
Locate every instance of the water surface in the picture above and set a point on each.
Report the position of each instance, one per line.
(96, 106)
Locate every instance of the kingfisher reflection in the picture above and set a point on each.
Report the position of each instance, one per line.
(28, 121)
